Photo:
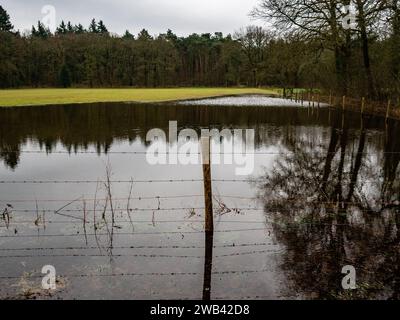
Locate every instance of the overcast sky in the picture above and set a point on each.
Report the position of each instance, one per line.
(182, 16)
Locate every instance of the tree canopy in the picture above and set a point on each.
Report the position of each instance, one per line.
(308, 46)
(5, 23)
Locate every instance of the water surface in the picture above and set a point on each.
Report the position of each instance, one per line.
(324, 194)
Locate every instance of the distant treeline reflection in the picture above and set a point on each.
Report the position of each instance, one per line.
(100, 125)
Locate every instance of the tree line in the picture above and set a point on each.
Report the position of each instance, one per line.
(308, 46)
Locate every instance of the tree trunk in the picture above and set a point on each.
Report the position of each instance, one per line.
(365, 49)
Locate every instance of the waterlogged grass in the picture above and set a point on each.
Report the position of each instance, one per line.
(35, 97)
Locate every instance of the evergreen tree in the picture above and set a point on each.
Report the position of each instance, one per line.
(70, 27)
(79, 29)
(62, 28)
(171, 36)
(5, 23)
(65, 76)
(128, 36)
(41, 31)
(101, 28)
(93, 26)
(144, 35)
(34, 31)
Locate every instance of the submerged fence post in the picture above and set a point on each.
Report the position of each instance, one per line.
(344, 103)
(209, 217)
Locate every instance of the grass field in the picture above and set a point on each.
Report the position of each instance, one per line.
(35, 97)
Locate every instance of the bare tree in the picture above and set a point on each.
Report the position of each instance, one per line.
(313, 20)
(368, 13)
(254, 41)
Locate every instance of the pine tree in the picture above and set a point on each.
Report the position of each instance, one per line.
(101, 28)
(79, 29)
(171, 36)
(62, 29)
(144, 35)
(41, 31)
(70, 28)
(5, 23)
(128, 36)
(65, 76)
(93, 26)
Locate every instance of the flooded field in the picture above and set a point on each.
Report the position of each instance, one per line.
(248, 100)
(78, 193)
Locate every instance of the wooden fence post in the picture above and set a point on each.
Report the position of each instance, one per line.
(209, 217)
(344, 103)
(205, 147)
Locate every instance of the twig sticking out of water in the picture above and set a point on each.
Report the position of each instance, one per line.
(109, 192)
(128, 206)
(58, 212)
(40, 219)
(222, 207)
(84, 221)
(44, 219)
(37, 221)
(6, 216)
(94, 218)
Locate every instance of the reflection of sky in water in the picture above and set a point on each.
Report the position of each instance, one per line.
(162, 255)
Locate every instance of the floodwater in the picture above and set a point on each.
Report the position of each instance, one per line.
(77, 192)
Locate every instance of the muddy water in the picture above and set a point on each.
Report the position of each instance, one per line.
(324, 194)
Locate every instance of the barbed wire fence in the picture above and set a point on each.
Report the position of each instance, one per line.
(81, 251)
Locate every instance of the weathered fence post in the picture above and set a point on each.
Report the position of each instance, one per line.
(344, 103)
(209, 217)
(330, 98)
(205, 147)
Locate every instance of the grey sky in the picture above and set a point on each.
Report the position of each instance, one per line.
(182, 16)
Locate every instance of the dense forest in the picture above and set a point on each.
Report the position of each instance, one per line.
(307, 46)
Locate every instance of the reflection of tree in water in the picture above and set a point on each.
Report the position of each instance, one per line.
(337, 204)
(100, 126)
